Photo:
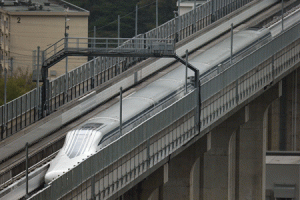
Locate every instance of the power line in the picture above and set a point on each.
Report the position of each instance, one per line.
(21, 54)
(123, 16)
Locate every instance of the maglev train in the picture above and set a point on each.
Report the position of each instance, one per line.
(102, 129)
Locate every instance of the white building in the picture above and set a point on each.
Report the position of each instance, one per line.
(185, 6)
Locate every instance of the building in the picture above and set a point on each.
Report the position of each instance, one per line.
(283, 176)
(27, 24)
(185, 6)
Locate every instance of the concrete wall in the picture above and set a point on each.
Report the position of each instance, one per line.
(293, 111)
(217, 159)
(284, 115)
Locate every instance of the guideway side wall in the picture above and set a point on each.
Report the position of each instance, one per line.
(173, 179)
(230, 159)
(133, 171)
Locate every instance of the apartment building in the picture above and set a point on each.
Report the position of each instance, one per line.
(27, 24)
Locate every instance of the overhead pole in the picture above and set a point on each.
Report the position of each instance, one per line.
(194, 15)
(197, 85)
(5, 105)
(121, 110)
(66, 46)
(231, 44)
(186, 69)
(118, 30)
(282, 27)
(178, 7)
(45, 88)
(136, 20)
(156, 13)
(38, 81)
(295, 114)
(119, 36)
(94, 59)
(26, 149)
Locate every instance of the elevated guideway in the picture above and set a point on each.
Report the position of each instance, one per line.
(182, 50)
(117, 168)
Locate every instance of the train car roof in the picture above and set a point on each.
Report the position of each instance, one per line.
(221, 51)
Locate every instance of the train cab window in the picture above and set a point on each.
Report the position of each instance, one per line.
(92, 126)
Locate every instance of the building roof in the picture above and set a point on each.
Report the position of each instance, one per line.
(40, 7)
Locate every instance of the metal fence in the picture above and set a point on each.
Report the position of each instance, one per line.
(26, 109)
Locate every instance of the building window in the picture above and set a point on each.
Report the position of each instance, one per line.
(284, 198)
(6, 22)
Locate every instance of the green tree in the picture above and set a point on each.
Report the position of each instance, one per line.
(17, 85)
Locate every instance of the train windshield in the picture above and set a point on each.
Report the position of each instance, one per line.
(91, 126)
(79, 142)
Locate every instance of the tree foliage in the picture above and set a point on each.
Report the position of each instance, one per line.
(104, 15)
(17, 84)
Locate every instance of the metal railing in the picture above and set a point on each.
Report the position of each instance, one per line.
(112, 47)
(249, 75)
(220, 94)
(26, 110)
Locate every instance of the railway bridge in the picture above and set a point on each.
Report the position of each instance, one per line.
(209, 148)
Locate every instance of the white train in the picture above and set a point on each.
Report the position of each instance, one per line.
(102, 129)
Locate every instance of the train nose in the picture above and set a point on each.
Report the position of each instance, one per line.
(50, 176)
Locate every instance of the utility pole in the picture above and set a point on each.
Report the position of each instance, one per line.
(176, 25)
(11, 67)
(121, 91)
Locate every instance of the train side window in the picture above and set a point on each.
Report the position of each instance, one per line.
(104, 142)
(109, 137)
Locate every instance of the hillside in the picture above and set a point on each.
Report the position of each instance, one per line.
(104, 15)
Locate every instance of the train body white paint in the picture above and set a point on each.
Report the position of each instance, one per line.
(102, 129)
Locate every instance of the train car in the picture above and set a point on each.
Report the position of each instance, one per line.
(102, 129)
